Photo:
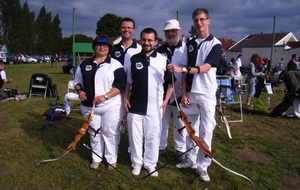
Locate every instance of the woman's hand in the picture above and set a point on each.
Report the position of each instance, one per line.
(82, 95)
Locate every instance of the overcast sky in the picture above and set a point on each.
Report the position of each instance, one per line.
(229, 18)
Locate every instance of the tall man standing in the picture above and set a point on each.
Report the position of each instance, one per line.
(199, 83)
(144, 103)
(127, 46)
(173, 50)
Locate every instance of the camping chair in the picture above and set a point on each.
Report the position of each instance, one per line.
(39, 85)
(239, 83)
(227, 97)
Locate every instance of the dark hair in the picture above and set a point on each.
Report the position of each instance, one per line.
(148, 31)
(294, 55)
(127, 19)
(254, 58)
(240, 55)
(102, 39)
(200, 11)
(232, 60)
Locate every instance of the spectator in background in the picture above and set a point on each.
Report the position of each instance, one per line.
(251, 77)
(224, 65)
(281, 63)
(293, 64)
(239, 61)
(56, 60)
(173, 49)
(260, 79)
(52, 60)
(3, 80)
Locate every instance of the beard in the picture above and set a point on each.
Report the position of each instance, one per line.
(147, 49)
(173, 41)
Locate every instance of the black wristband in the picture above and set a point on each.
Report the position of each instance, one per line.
(198, 68)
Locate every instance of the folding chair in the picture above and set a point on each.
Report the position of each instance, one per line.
(227, 97)
(39, 85)
(239, 83)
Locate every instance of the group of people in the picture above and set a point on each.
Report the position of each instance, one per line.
(145, 85)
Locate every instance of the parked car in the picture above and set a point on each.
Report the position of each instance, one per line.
(39, 58)
(65, 57)
(3, 57)
(46, 58)
(23, 58)
(31, 59)
(13, 58)
(68, 67)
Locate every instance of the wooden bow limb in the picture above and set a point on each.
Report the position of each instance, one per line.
(224, 119)
(82, 130)
(191, 133)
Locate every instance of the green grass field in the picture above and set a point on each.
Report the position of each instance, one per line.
(263, 148)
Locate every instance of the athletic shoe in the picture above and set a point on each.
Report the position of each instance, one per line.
(95, 165)
(136, 169)
(203, 176)
(152, 169)
(110, 166)
(186, 164)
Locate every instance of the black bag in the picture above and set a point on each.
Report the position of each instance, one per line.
(244, 70)
(53, 114)
(10, 92)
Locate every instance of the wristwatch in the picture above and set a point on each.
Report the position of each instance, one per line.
(105, 96)
(183, 69)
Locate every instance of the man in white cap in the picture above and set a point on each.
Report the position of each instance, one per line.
(173, 49)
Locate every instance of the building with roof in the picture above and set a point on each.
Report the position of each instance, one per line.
(285, 44)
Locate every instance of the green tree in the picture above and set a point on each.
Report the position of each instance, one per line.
(193, 31)
(11, 20)
(28, 37)
(57, 41)
(108, 25)
(44, 28)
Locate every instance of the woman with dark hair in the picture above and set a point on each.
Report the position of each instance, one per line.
(251, 78)
(99, 81)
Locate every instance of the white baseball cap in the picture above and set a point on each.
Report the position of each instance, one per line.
(172, 24)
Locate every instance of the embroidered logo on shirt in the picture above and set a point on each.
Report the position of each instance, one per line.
(88, 67)
(117, 54)
(139, 65)
(191, 48)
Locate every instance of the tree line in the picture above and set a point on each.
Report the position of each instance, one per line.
(22, 32)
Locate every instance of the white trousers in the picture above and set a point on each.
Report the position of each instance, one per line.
(70, 96)
(144, 134)
(296, 105)
(179, 141)
(206, 104)
(106, 141)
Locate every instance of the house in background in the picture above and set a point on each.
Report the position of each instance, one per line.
(3, 53)
(285, 44)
